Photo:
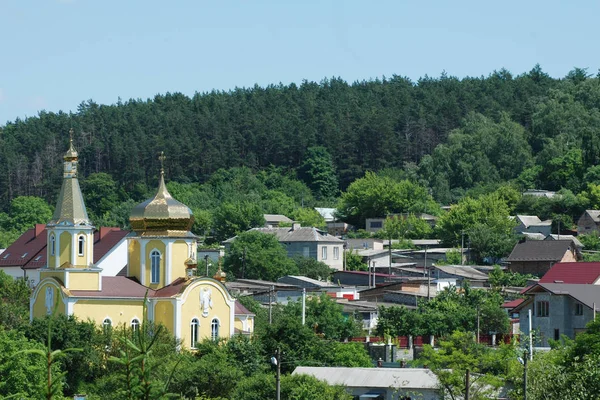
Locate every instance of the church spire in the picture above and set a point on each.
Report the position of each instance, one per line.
(70, 208)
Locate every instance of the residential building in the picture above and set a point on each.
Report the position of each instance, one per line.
(364, 244)
(276, 220)
(573, 238)
(538, 256)
(532, 224)
(562, 302)
(589, 222)
(379, 383)
(159, 276)
(307, 242)
(24, 258)
(539, 193)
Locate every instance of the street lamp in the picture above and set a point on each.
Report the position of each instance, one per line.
(276, 361)
(524, 362)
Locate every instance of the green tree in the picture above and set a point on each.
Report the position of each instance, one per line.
(231, 219)
(312, 268)
(100, 192)
(14, 305)
(23, 376)
(308, 217)
(318, 172)
(305, 387)
(257, 255)
(374, 196)
(26, 211)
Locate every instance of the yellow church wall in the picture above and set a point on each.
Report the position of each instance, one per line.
(160, 246)
(238, 324)
(163, 314)
(120, 312)
(191, 308)
(65, 246)
(179, 254)
(134, 259)
(39, 308)
(49, 273)
(84, 280)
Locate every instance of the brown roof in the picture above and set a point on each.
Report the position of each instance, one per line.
(176, 287)
(117, 286)
(540, 250)
(241, 310)
(29, 250)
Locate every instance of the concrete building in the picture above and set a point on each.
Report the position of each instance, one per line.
(379, 383)
(307, 242)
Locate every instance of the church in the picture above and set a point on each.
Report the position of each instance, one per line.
(161, 270)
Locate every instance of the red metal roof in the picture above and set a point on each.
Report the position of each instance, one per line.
(241, 310)
(29, 250)
(117, 286)
(512, 304)
(573, 273)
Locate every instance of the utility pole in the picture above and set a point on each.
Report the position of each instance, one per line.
(462, 247)
(477, 323)
(428, 276)
(467, 383)
(278, 353)
(303, 306)
(390, 255)
(525, 375)
(244, 263)
(270, 304)
(374, 276)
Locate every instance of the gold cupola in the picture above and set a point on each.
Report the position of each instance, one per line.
(162, 215)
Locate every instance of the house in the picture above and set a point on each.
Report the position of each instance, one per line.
(532, 224)
(379, 383)
(361, 278)
(307, 242)
(364, 244)
(276, 220)
(576, 241)
(158, 281)
(538, 256)
(562, 302)
(539, 193)
(589, 222)
(460, 273)
(27, 255)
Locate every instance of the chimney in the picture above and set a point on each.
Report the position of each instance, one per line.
(295, 226)
(103, 232)
(39, 228)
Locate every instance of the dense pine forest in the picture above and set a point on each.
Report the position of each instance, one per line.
(448, 135)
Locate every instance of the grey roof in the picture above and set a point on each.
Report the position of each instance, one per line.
(540, 250)
(426, 242)
(370, 252)
(586, 294)
(566, 237)
(276, 218)
(301, 234)
(594, 214)
(533, 235)
(385, 378)
(292, 280)
(462, 271)
(533, 220)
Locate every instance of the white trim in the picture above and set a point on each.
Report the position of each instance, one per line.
(135, 318)
(70, 302)
(81, 246)
(177, 332)
(160, 257)
(67, 278)
(57, 250)
(143, 261)
(168, 262)
(52, 241)
(73, 247)
(197, 338)
(219, 335)
(109, 320)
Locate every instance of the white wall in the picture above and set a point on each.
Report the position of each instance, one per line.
(114, 260)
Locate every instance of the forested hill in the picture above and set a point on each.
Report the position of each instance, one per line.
(539, 130)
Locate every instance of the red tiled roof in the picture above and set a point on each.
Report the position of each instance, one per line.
(29, 250)
(512, 304)
(573, 273)
(241, 310)
(117, 286)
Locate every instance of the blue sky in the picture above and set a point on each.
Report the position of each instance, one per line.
(54, 54)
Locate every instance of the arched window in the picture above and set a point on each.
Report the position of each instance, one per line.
(194, 332)
(155, 266)
(52, 245)
(80, 245)
(106, 324)
(214, 329)
(135, 325)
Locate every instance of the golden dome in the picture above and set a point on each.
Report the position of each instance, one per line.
(162, 215)
(71, 154)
